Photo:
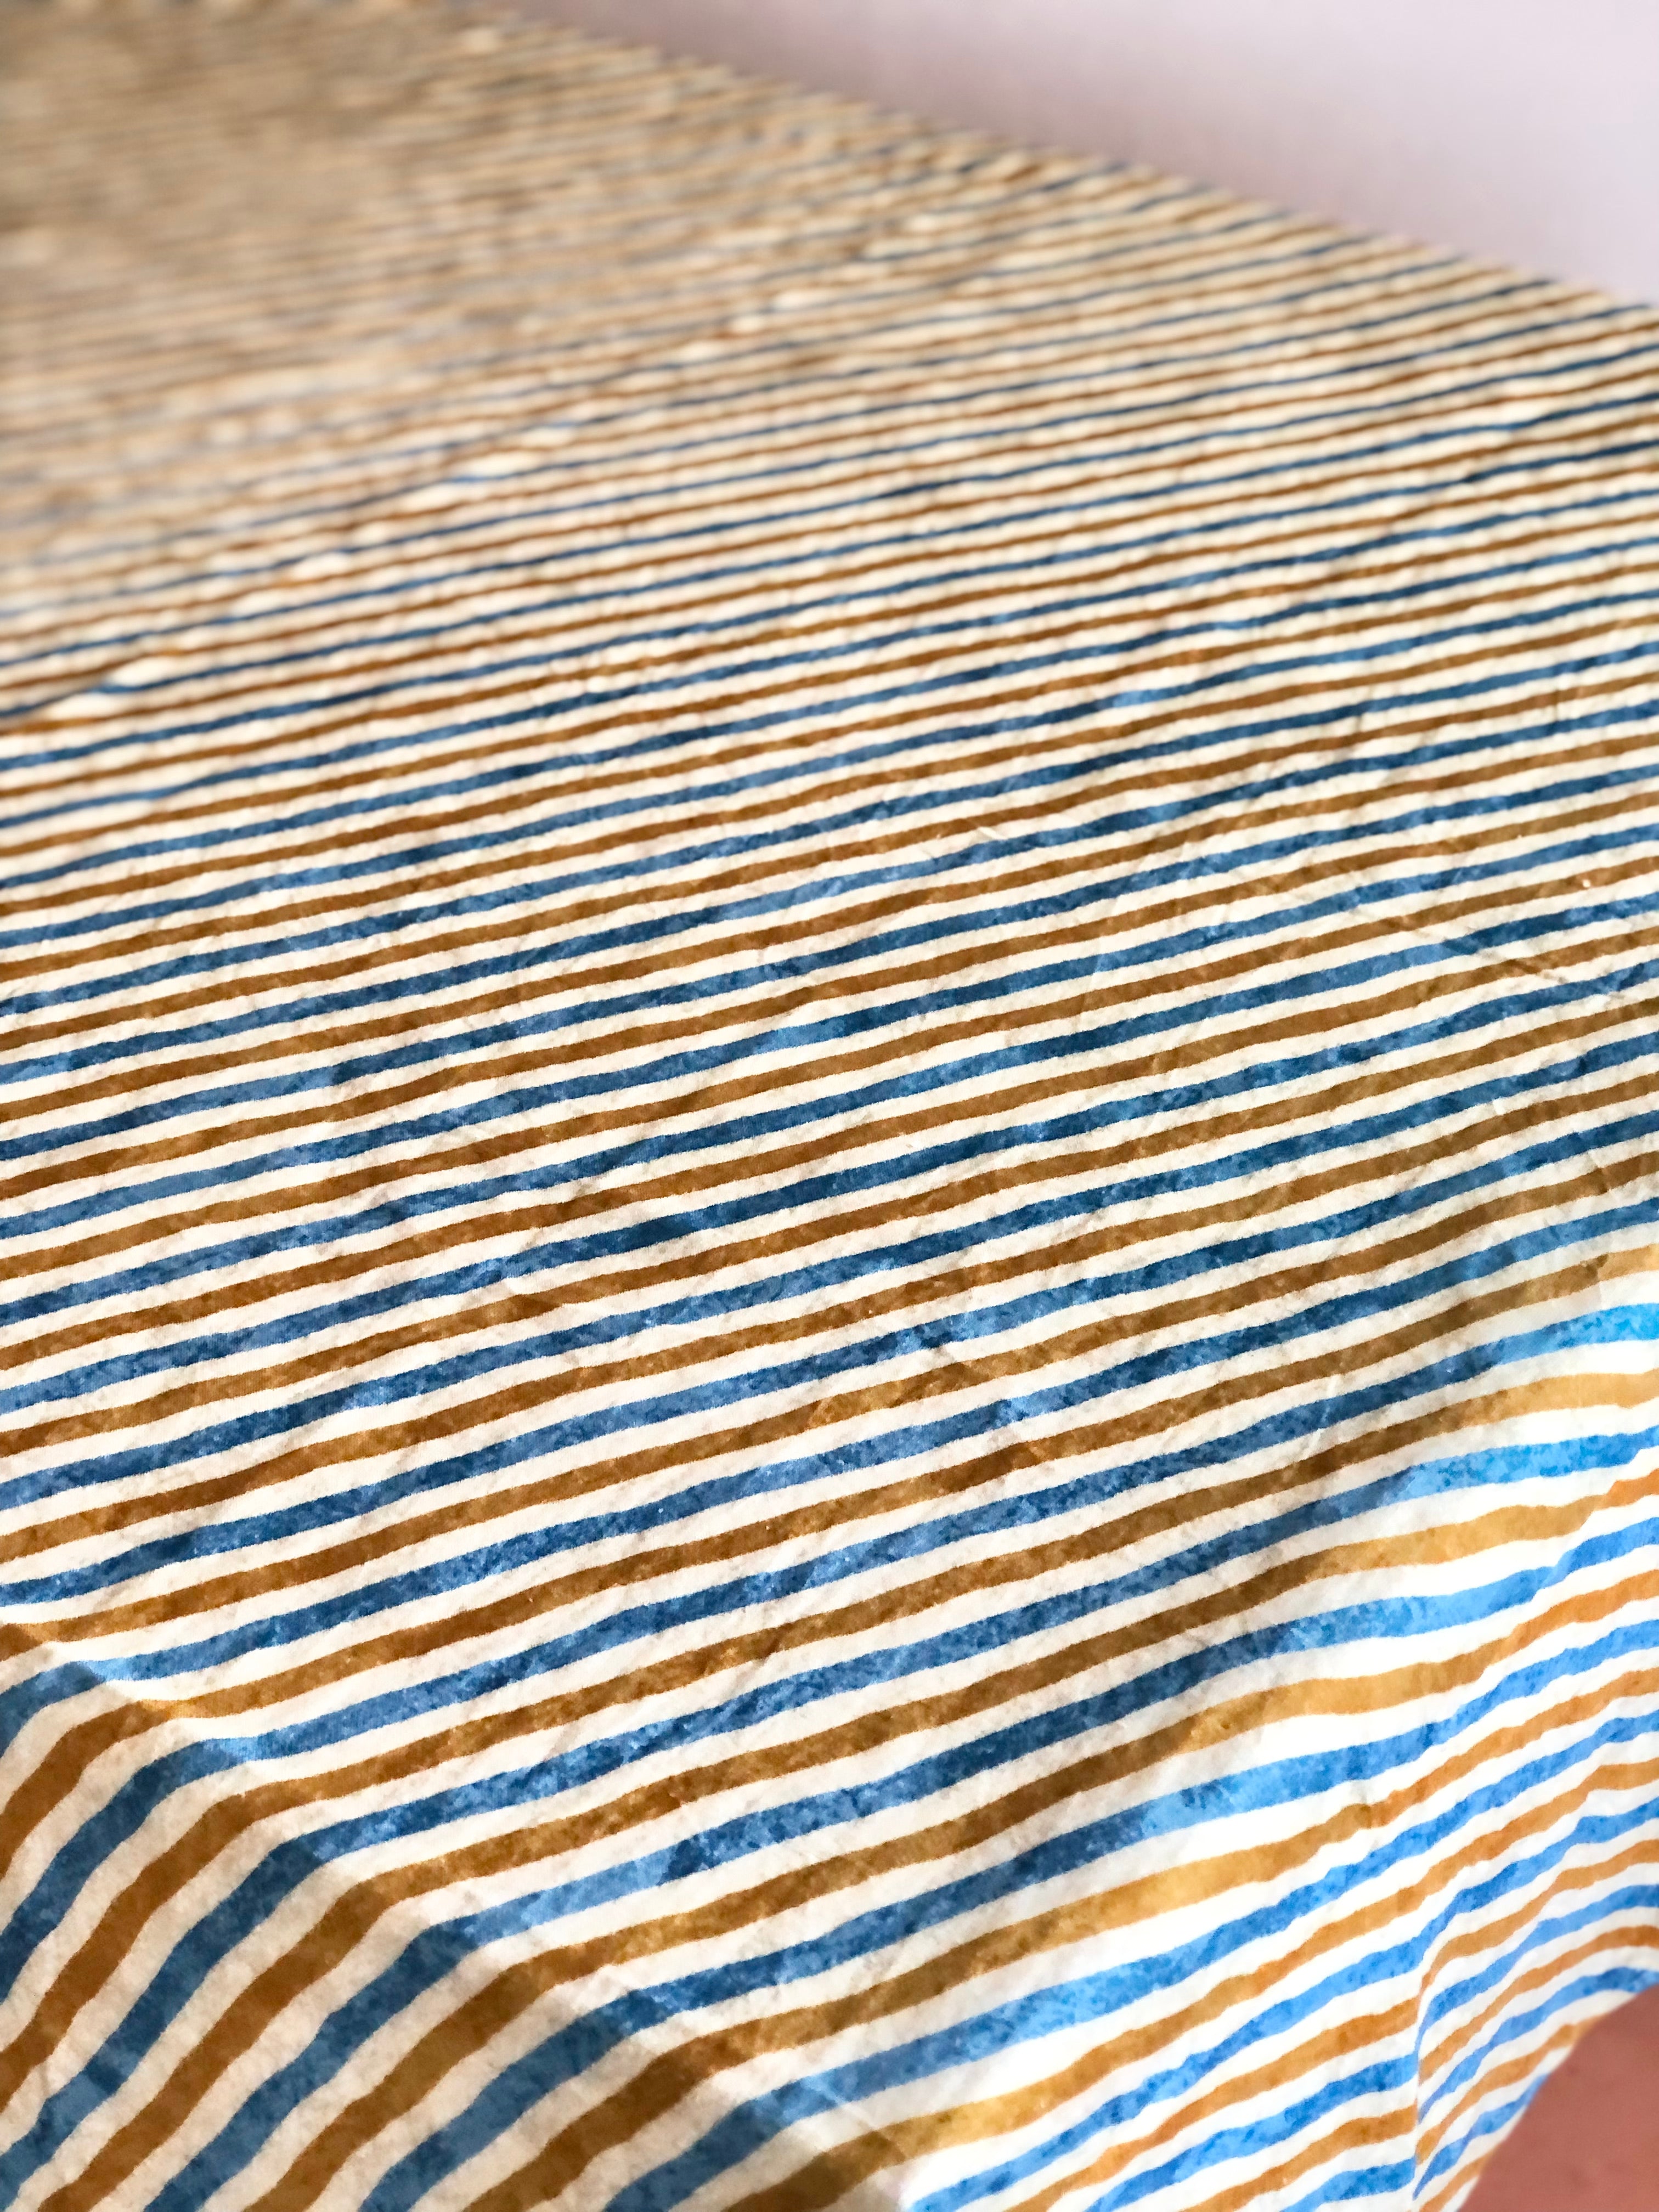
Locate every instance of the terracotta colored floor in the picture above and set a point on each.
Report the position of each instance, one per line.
(1590, 2142)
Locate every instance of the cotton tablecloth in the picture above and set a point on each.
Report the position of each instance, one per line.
(831, 1179)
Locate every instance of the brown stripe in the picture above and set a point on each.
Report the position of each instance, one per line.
(261, 683)
(995, 2116)
(638, 1116)
(1501, 535)
(1056, 311)
(74, 1752)
(666, 2080)
(609, 336)
(644, 1362)
(340, 839)
(27, 1035)
(346, 1921)
(521, 1398)
(478, 1152)
(798, 686)
(1609, 1936)
(343, 899)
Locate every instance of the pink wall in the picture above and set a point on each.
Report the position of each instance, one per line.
(1524, 131)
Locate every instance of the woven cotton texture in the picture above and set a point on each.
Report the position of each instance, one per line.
(830, 1182)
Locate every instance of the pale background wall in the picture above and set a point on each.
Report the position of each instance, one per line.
(1525, 130)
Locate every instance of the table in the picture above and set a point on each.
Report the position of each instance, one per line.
(830, 1158)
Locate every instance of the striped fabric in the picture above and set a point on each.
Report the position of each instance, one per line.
(831, 1176)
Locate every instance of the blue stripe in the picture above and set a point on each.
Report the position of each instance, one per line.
(1088, 374)
(291, 947)
(822, 1366)
(641, 1235)
(573, 2049)
(821, 765)
(1332, 373)
(1599, 1914)
(750, 1128)
(1402, 1961)
(227, 573)
(494, 966)
(470, 676)
(497, 778)
(791, 382)
(1281, 1782)
(1620, 1981)
(867, 1019)
(303, 879)
(105, 1831)
(987, 620)
(746, 2128)
(780, 561)
(281, 1420)
(1285, 1288)
(439, 1950)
